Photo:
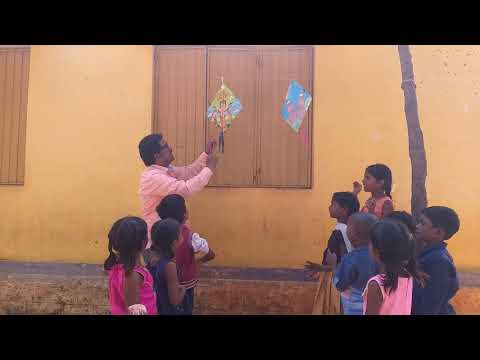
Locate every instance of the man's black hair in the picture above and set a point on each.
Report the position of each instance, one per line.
(148, 147)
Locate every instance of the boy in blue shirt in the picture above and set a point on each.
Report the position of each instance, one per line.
(356, 268)
(437, 224)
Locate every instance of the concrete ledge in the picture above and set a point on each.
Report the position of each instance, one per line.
(18, 269)
(49, 270)
(59, 288)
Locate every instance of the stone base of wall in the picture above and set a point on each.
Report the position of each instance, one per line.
(41, 296)
(212, 297)
(80, 290)
(250, 297)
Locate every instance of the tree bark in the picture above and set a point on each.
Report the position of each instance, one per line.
(416, 145)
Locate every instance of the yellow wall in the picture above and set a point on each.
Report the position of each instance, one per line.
(90, 105)
(87, 108)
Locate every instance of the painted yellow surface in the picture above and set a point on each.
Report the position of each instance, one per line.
(90, 105)
(87, 108)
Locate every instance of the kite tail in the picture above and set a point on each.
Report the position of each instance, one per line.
(221, 142)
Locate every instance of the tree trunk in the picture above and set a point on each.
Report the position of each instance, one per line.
(416, 145)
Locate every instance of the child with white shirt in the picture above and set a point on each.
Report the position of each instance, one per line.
(174, 207)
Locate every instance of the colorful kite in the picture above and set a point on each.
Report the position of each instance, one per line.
(296, 105)
(224, 108)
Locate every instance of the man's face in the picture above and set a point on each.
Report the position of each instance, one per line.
(426, 232)
(165, 156)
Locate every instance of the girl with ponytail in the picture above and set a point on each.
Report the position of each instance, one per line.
(390, 292)
(378, 182)
(130, 285)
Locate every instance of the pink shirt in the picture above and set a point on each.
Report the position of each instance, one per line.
(156, 182)
(378, 210)
(398, 302)
(116, 291)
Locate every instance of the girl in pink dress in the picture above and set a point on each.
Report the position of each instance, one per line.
(130, 285)
(378, 182)
(390, 292)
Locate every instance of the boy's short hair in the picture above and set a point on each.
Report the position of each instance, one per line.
(365, 220)
(172, 207)
(148, 147)
(403, 217)
(444, 218)
(347, 200)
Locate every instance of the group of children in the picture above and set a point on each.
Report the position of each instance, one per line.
(378, 262)
(161, 279)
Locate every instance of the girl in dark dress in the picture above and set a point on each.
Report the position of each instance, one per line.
(159, 258)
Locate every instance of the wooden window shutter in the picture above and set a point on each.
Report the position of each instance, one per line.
(179, 92)
(14, 72)
(261, 150)
(238, 66)
(283, 158)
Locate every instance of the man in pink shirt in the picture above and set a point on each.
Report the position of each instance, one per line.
(160, 178)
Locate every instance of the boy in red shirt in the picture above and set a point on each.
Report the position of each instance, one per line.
(174, 207)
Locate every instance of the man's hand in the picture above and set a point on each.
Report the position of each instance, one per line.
(212, 162)
(212, 144)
